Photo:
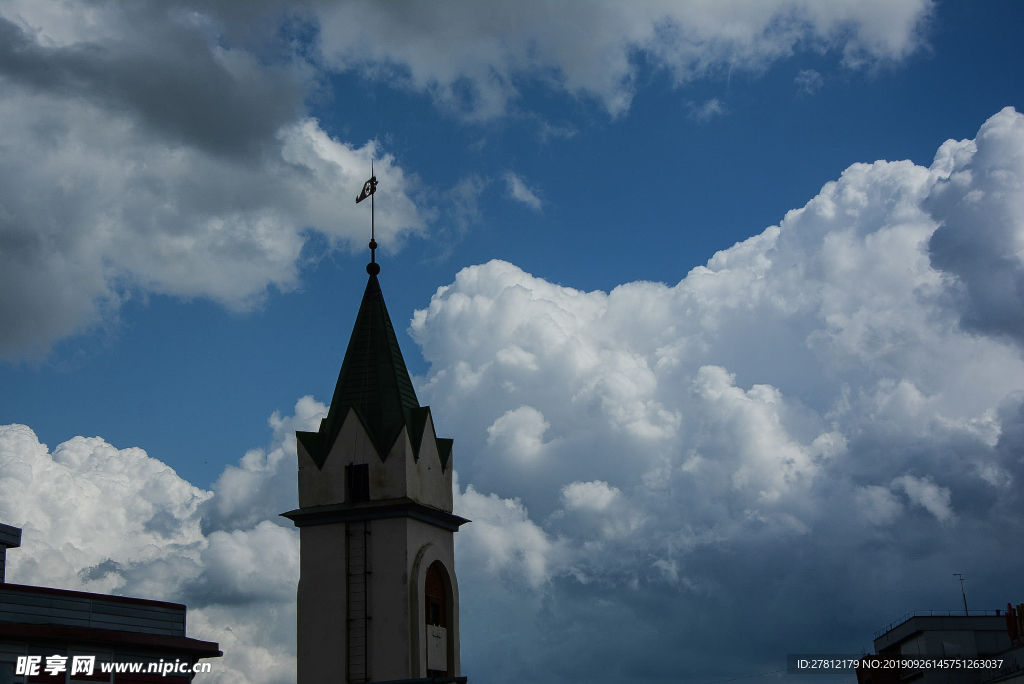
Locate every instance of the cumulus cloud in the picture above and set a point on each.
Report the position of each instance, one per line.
(813, 414)
(205, 185)
(98, 518)
(979, 204)
(264, 483)
(505, 542)
(520, 431)
(808, 415)
(817, 402)
(877, 505)
(257, 640)
(518, 190)
(166, 148)
(596, 495)
(925, 493)
(473, 58)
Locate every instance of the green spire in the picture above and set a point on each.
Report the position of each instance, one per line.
(375, 382)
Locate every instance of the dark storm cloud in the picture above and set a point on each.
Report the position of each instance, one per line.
(163, 69)
(981, 237)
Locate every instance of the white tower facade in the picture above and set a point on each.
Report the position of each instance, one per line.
(378, 600)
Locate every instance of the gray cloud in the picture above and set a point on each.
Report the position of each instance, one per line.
(981, 237)
(779, 434)
(798, 434)
(148, 149)
(154, 147)
(167, 73)
(797, 443)
(471, 58)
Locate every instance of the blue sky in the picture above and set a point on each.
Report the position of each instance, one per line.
(182, 260)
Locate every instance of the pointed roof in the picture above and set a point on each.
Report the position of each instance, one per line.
(375, 383)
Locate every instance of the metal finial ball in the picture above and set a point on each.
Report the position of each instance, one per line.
(373, 268)
(373, 244)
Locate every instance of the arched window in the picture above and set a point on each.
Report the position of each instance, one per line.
(435, 617)
(436, 597)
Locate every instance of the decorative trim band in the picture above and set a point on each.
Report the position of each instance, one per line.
(392, 508)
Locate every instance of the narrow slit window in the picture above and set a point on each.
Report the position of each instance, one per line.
(358, 481)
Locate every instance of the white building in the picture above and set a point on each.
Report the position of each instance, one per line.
(378, 600)
(980, 636)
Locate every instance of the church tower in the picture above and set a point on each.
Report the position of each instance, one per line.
(377, 600)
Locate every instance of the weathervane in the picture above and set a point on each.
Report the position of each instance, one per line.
(369, 188)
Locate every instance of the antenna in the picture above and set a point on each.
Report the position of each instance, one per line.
(369, 190)
(960, 577)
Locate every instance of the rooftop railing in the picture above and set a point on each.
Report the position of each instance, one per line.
(936, 613)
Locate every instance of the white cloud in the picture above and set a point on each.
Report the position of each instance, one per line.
(264, 483)
(803, 417)
(708, 110)
(204, 187)
(878, 505)
(208, 185)
(465, 202)
(520, 431)
(88, 503)
(519, 191)
(97, 518)
(470, 58)
(809, 81)
(104, 211)
(747, 432)
(596, 495)
(257, 639)
(503, 539)
(925, 493)
(246, 566)
(774, 410)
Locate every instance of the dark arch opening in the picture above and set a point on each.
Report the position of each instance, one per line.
(436, 595)
(436, 605)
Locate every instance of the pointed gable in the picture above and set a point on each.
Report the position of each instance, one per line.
(373, 382)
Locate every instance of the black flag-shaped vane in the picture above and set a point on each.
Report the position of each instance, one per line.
(369, 188)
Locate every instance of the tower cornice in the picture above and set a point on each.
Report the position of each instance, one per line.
(375, 510)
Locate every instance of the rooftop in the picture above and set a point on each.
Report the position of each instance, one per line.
(936, 613)
(375, 383)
